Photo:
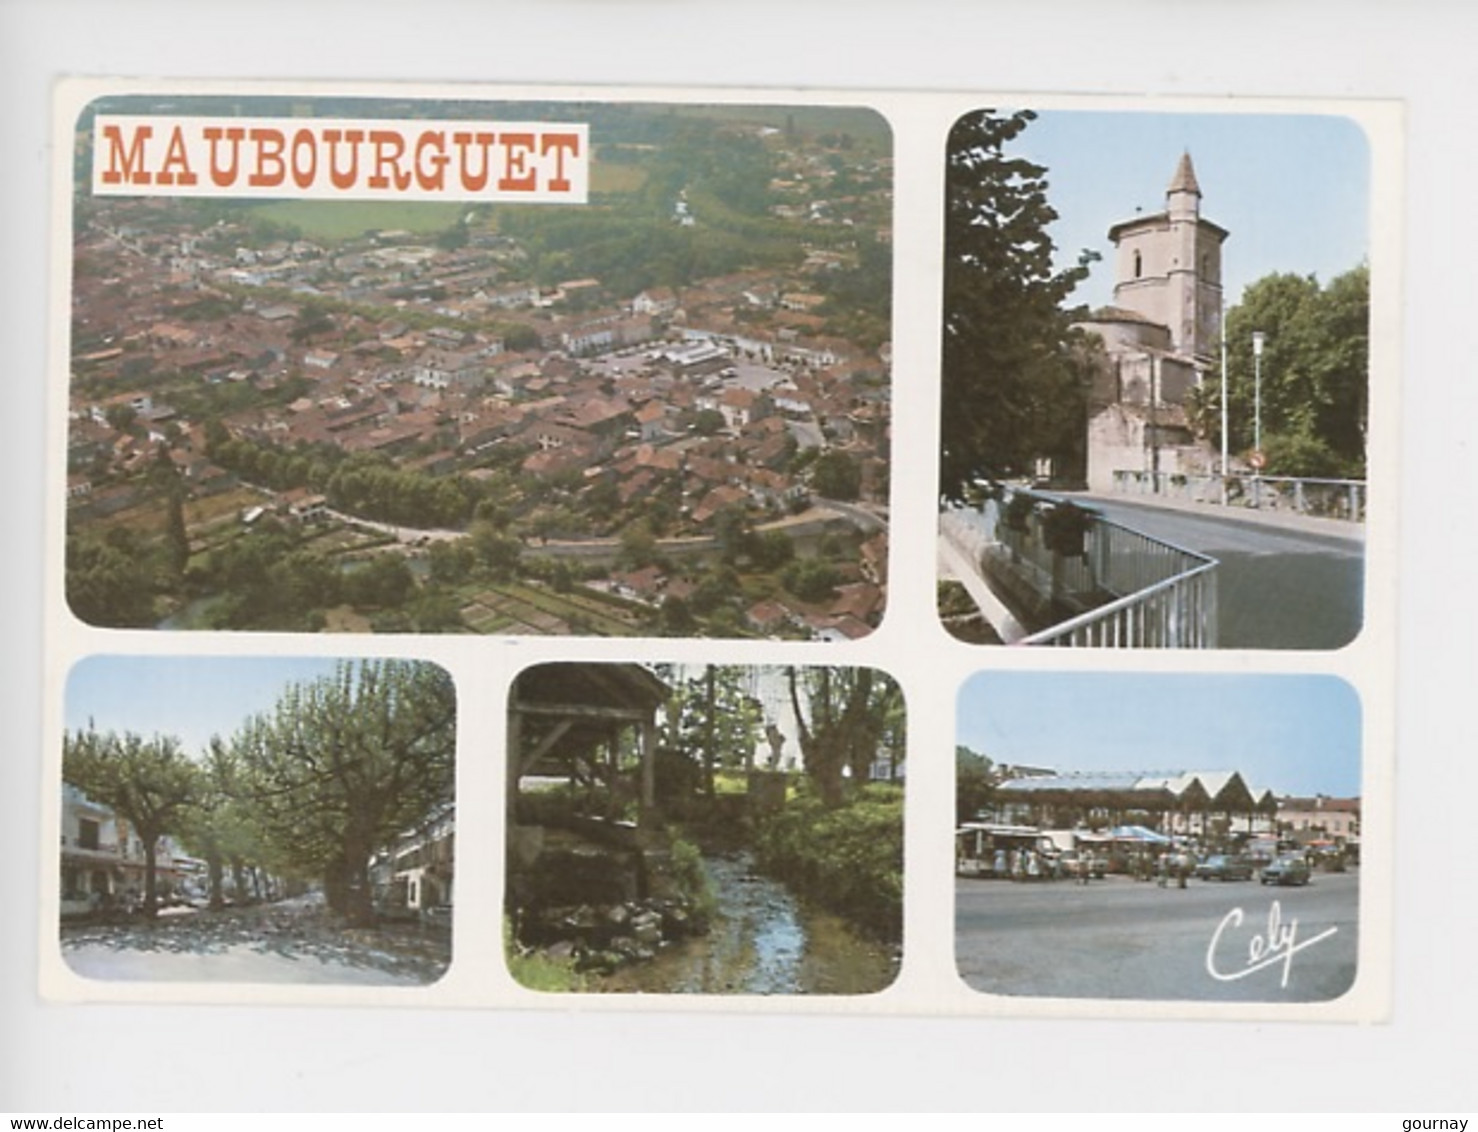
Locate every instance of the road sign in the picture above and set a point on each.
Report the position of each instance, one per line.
(1258, 459)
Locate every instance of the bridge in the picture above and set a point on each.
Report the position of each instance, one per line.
(1282, 580)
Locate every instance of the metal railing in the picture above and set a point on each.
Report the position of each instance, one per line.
(1134, 591)
(1325, 498)
(1179, 612)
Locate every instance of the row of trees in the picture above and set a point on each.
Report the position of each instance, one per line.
(845, 718)
(312, 789)
(368, 486)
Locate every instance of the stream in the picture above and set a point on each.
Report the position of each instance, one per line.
(762, 941)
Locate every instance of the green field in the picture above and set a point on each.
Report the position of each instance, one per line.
(859, 121)
(342, 220)
(520, 608)
(606, 177)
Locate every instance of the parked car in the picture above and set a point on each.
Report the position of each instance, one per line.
(1224, 867)
(1286, 870)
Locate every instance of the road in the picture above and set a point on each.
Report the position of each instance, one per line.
(291, 941)
(823, 511)
(1279, 587)
(1120, 938)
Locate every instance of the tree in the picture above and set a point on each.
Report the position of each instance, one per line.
(811, 579)
(434, 610)
(842, 725)
(1011, 390)
(714, 720)
(638, 545)
(497, 551)
(218, 825)
(450, 239)
(1315, 374)
(122, 418)
(520, 336)
(975, 785)
(109, 582)
(837, 475)
(176, 534)
(772, 550)
(675, 617)
(708, 422)
(383, 582)
(451, 562)
(733, 532)
(347, 762)
(149, 782)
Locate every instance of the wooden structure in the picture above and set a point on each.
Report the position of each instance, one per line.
(570, 720)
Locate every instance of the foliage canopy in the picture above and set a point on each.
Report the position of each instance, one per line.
(1011, 390)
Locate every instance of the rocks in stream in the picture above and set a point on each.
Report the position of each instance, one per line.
(604, 938)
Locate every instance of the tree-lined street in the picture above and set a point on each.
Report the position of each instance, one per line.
(290, 845)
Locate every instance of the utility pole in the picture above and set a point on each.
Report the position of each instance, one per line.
(1258, 338)
(1223, 402)
(1154, 425)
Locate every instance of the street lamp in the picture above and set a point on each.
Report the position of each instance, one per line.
(1258, 338)
(1223, 403)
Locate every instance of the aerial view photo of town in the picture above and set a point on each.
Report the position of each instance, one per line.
(665, 411)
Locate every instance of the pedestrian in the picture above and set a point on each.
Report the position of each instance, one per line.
(1000, 863)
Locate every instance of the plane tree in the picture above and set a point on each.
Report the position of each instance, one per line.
(345, 763)
(150, 783)
(843, 717)
(1314, 388)
(219, 825)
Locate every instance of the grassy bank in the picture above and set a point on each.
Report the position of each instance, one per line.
(848, 860)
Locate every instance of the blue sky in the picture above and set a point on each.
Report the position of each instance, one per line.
(1297, 734)
(189, 697)
(1293, 190)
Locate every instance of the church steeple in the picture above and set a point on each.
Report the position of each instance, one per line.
(1183, 197)
(1169, 266)
(1184, 180)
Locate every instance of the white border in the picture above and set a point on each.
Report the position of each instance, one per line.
(910, 643)
(311, 1058)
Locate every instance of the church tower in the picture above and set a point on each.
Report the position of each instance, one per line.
(1168, 267)
(1159, 337)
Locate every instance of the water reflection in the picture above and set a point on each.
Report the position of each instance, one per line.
(762, 941)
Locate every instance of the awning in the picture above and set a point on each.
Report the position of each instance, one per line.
(1138, 833)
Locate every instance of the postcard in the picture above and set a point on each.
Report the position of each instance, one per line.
(533, 547)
